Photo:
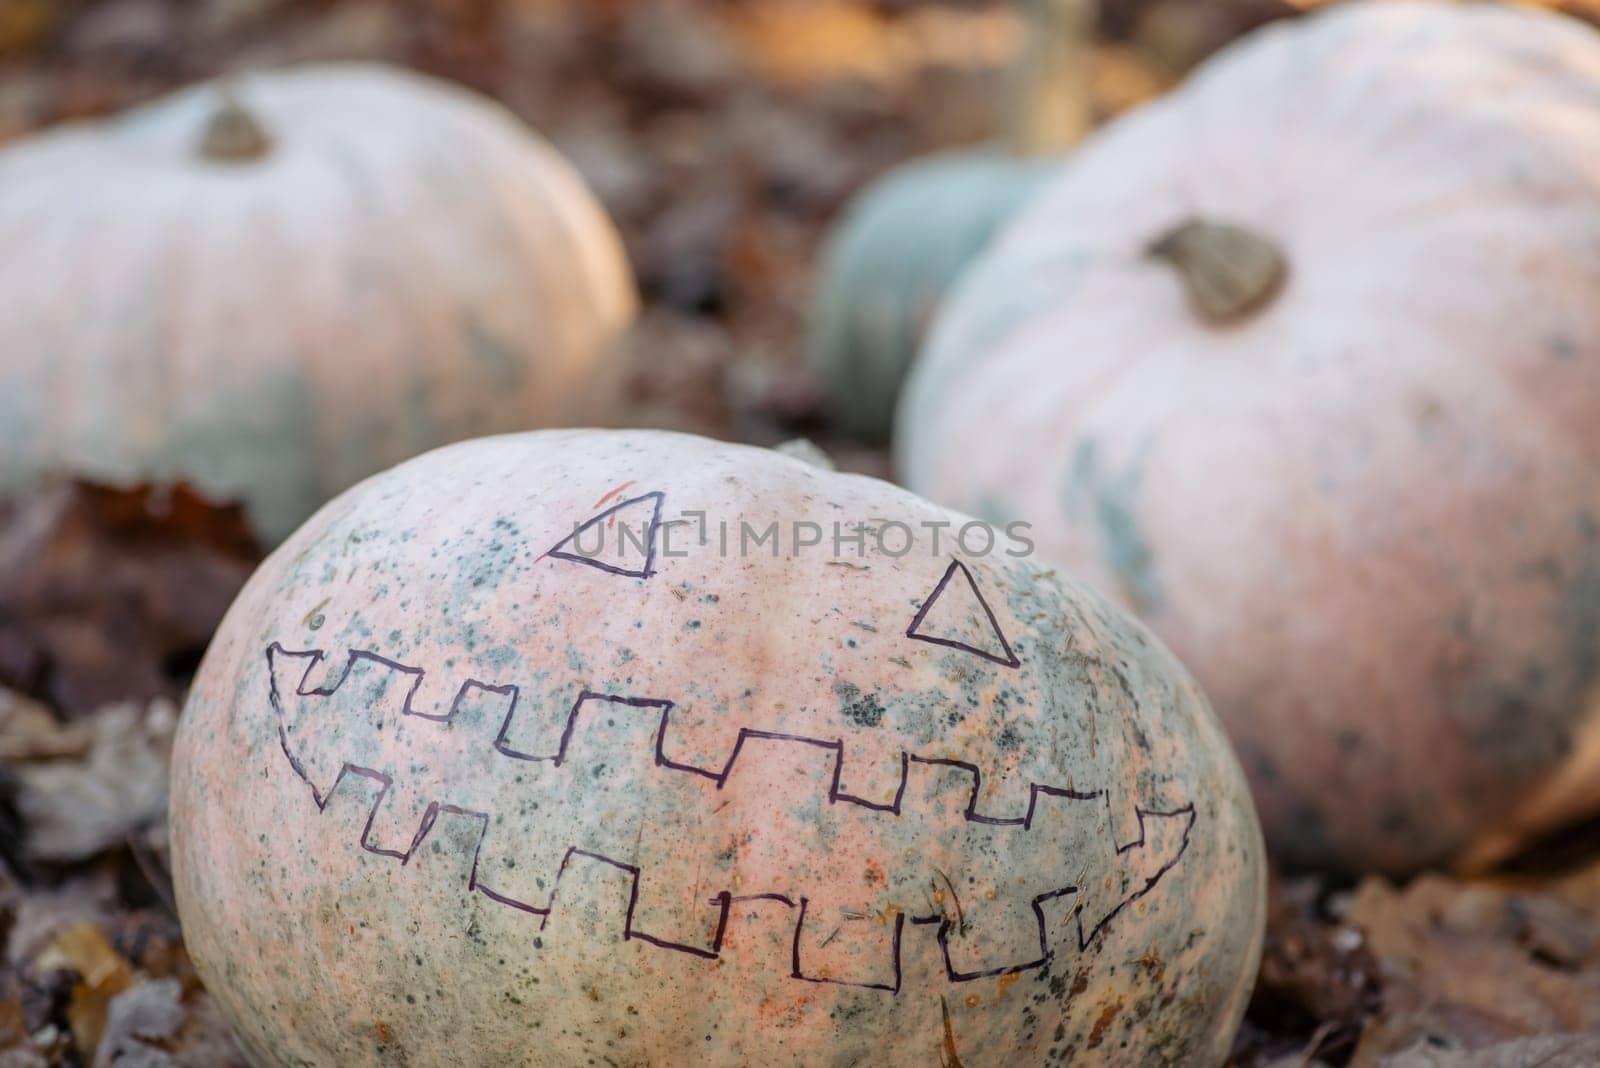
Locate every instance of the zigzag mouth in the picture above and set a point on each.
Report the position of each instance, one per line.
(1087, 928)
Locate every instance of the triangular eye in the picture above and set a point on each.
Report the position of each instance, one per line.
(620, 540)
(956, 615)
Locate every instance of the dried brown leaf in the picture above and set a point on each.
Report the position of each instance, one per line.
(29, 731)
(109, 594)
(102, 972)
(145, 1014)
(1477, 962)
(13, 1024)
(76, 806)
(1544, 1051)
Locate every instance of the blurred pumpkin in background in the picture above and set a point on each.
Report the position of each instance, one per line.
(907, 236)
(276, 286)
(1303, 364)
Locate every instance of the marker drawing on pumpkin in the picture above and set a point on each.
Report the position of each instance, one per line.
(616, 537)
(441, 763)
(956, 615)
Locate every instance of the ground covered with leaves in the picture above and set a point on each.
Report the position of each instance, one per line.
(722, 136)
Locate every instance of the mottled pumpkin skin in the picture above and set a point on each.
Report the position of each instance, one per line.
(700, 808)
(405, 267)
(889, 262)
(1369, 517)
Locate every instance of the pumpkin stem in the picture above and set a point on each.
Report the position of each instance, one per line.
(803, 450)
(1229, 272)
(233, 134)
(1049, 109)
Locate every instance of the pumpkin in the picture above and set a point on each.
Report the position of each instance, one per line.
(906, 237)
(584, 745)
(277, 287)
(1299, 363)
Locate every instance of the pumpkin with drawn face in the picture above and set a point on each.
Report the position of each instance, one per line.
(580, 747)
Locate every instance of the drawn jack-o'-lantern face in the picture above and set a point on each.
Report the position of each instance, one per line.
(635, 746)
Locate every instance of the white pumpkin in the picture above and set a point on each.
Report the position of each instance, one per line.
(276, 287)
(1303, 363)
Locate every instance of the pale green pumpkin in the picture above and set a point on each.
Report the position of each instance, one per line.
(903, 241)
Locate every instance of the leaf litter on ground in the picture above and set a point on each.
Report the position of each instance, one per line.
(723, 137)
